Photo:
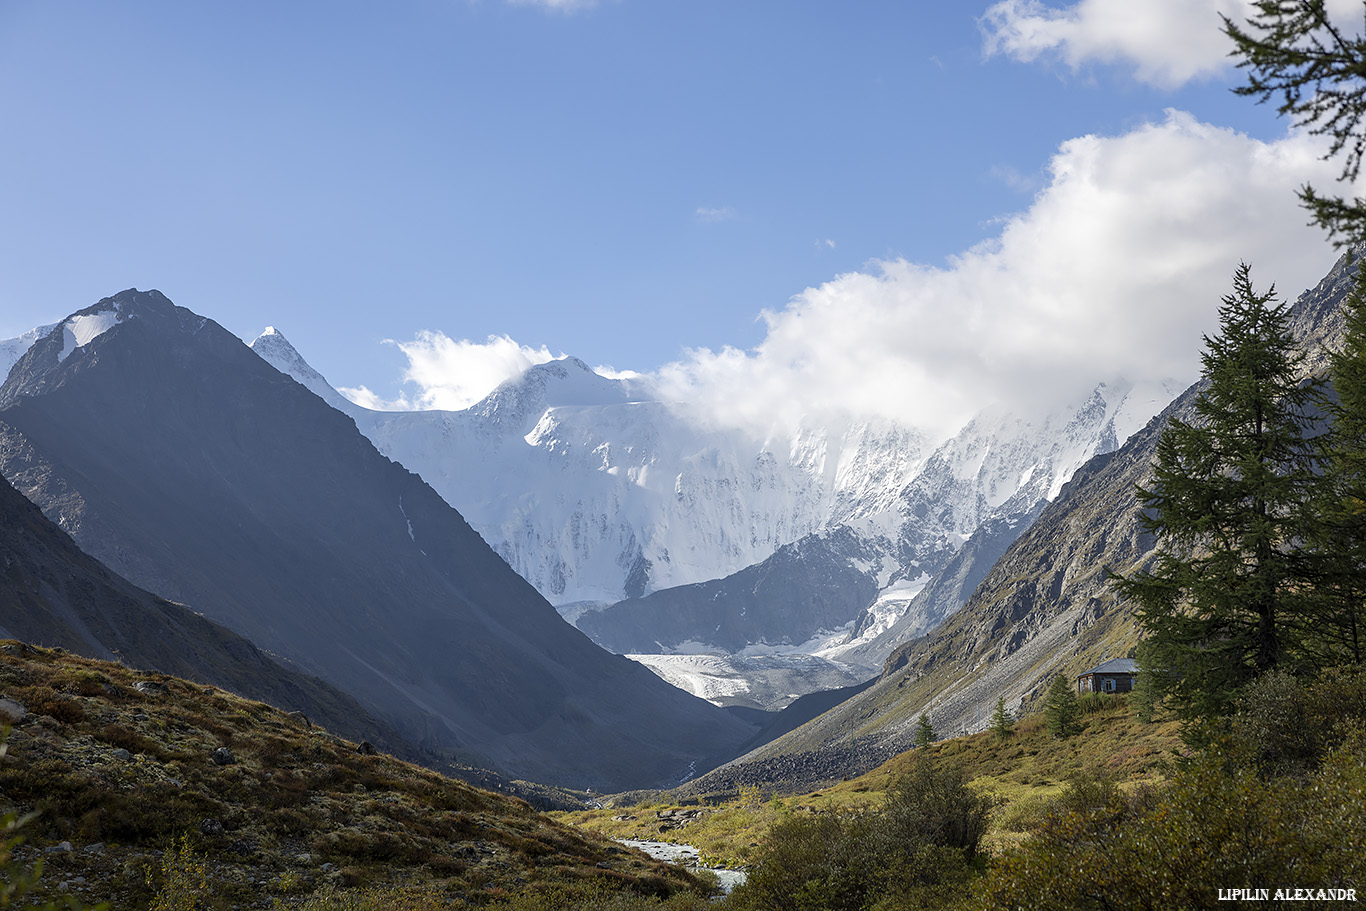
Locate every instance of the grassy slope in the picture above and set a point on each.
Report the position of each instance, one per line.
(298, 808)
(1022, 771)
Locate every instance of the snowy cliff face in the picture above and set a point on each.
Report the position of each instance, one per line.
(596, 491)
(974, 495)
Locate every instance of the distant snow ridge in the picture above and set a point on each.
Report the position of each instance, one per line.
(594, 490)
(11, 349)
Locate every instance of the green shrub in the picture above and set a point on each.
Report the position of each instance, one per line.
(44, 700)
(1285, 725)
(932, 805)
(1216, 825)
(181, 879)
(915, 852)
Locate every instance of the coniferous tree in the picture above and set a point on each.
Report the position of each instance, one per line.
(1228, 505)
(1145, 697)
(1001, 721)
(924, 731)
(1295, 53)
(1331, 625)
(1060, 709)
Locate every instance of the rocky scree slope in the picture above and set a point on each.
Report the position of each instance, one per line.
(190, 466)
(1045, 608)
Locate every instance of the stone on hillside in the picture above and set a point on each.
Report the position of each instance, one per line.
(223, 756)
(12, 712)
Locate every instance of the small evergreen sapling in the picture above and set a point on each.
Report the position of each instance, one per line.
(924, 732)
(1060, 708)
(1001, 720)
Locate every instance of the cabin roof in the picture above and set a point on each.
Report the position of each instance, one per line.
(1113, 666)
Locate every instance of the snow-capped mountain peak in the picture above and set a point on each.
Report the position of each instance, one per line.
(518, 403)
(276, 350)
(594, 490)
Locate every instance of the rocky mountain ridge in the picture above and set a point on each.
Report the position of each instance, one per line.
(184, 462)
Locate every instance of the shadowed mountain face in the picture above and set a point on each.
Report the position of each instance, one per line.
(52, 593)
(806, 588)
(179, 458)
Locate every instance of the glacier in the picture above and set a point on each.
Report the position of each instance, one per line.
(600, 493)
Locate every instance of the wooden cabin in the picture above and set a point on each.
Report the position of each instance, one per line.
(1113, 676)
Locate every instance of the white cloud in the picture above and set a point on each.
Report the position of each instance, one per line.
(723, 213)
(559, 6)
(1167, 42)
(450, 375)
(1114, 271)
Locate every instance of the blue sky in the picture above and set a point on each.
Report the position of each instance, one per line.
(636, 181)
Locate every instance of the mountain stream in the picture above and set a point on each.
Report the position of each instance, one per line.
(684, 856)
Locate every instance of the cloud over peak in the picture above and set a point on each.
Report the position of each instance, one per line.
(450, 375)
(1112, 273)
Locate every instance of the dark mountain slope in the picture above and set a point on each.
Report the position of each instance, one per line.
(51, 593)
(174, 454)
(804, 588)
(1046, 607)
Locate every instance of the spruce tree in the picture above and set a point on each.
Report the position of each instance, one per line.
(924, 731)
(1060, 708)
(1001, 722)
(1145, 697)
(1228, 505)
(1331, 623)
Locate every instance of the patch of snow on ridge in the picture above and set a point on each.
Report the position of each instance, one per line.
(11, 349)
(80, 331)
